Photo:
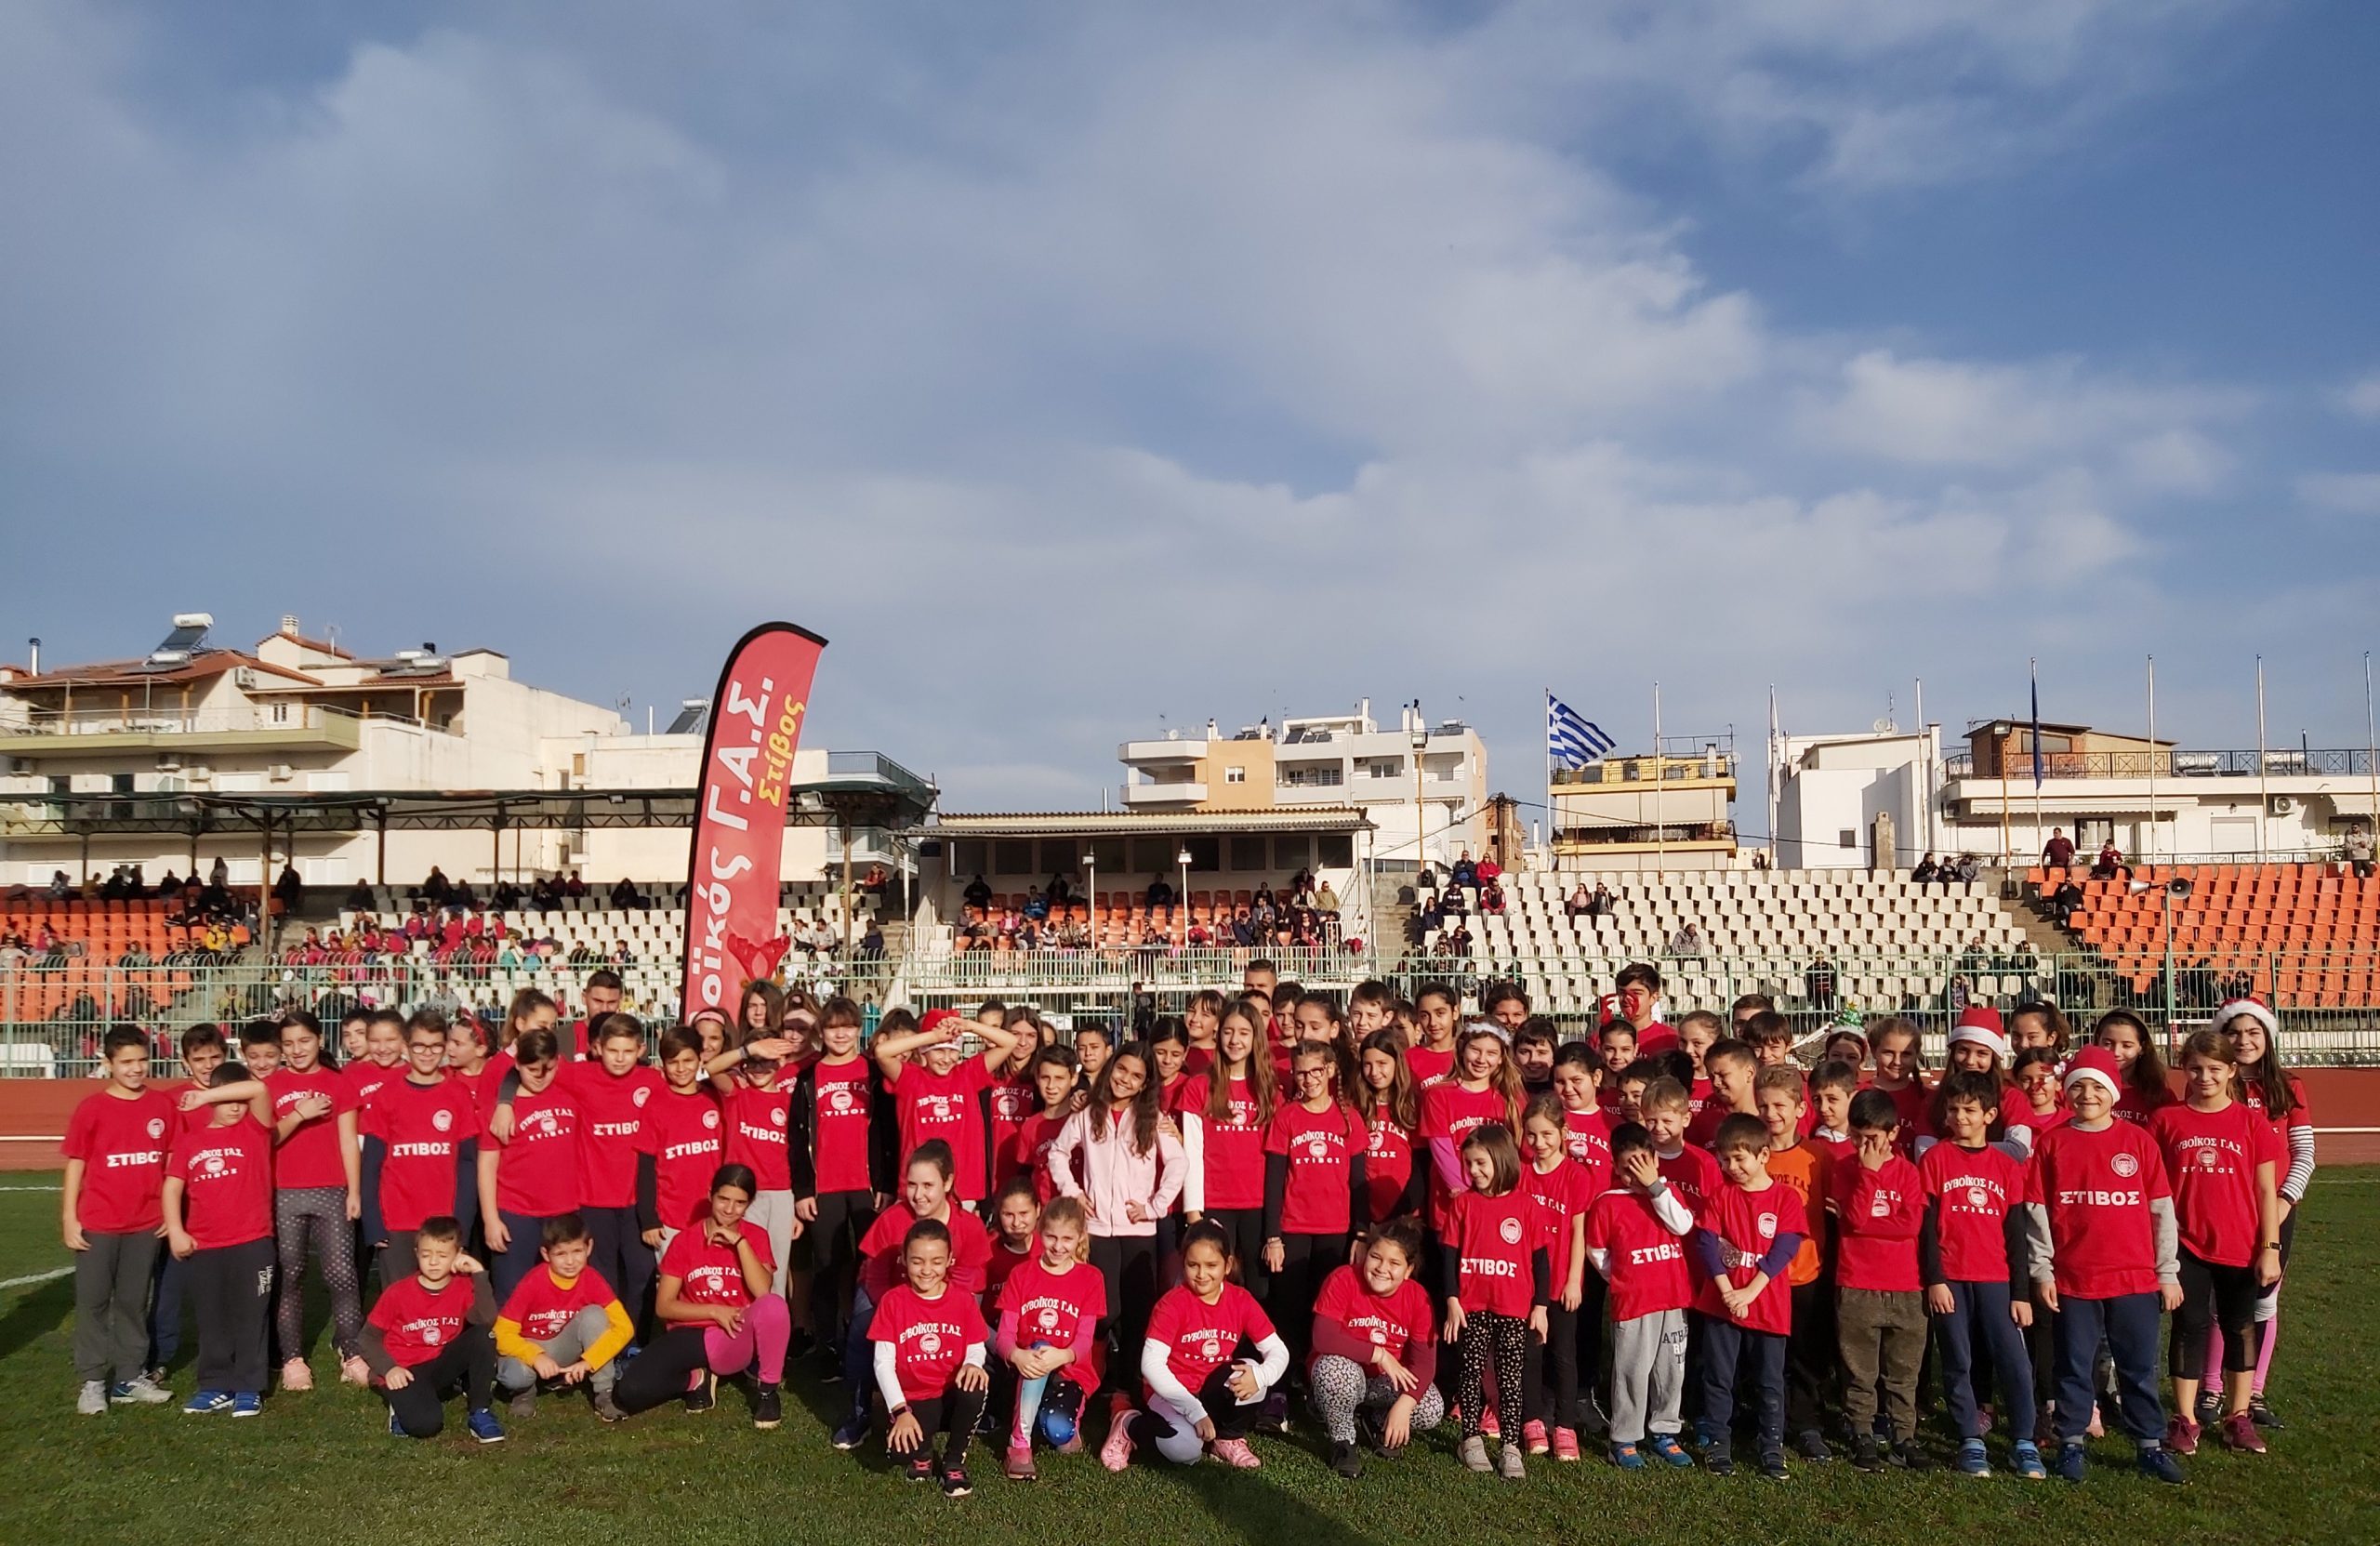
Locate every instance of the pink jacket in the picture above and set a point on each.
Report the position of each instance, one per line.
(1113, 1176)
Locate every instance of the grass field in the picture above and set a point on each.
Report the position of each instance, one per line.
(320, 1468)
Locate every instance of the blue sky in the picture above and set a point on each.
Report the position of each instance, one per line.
(1071, 365)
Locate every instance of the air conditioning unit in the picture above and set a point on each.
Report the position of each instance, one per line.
(282, 772)
(169, 762)
(201, 776)
(245, 678)
(2284, 805)
(20, 765)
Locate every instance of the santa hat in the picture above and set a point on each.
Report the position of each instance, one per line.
(2094, 1062)
(934, 1019)
(2255, 1009)
(1980, 1023)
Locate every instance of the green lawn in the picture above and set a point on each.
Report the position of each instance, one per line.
(319, 1468)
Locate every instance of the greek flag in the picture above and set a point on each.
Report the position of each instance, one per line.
(1571, 741)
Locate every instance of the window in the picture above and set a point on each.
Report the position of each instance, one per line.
(1235, 774)
(1246, 851)
(1109, 853)
(1205, 852)
(1384, 767)
(1058, 857)
(1011, 856)
(967, 858)
(1314, 778)
(1849, 839)
(1292, 851)
(1336, 850)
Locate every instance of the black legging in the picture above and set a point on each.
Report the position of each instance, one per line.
(662, 1370)
(1505, 1340)
(955, 1411)
(621, 1258)
(1128, 1263)
(1307, 1260)
(1245, 1227)
(2213, 1296)
(1559, 1359)
(468, 1361)
(835, 1233)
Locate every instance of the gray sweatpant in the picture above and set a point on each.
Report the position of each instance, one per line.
(1648, 1375)
(565, 1347)
(111, 1304)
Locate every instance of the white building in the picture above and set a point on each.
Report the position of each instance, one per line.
(1327, 760)
(1833, 801)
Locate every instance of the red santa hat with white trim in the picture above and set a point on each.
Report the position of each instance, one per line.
(2094, 1062)
(2254, 1008)
(1980, 1023)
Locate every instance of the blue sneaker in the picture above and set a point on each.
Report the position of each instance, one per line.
(1665, 1445)
(1627, 1457)
(852, 1434)
(2025, 1459)
(485, 1427)
(2158, 1464)
(1973, 1462)
(247, 1403)
(396, 1428)
(206, 1403)
(1703, 1438)
(2070, 1463)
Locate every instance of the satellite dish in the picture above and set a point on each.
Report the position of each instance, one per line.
(1884, 726)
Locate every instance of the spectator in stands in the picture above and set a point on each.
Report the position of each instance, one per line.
(435, 887)
(2109, 862)
(1603, 905)
(2358, 851)
(978, 894)
(574, 887)
(2063, 901)
(1687, 941)
(871, 943)
(1161, 893)
(1969, 867)
(1578, 903)
(1927, 871)
(171, 882)
(1491, 898)
(1466, 872)
(626, 896)
(1817, 984)
(359, 898)
(2058, 853)
(1059, 890)
(288, 890)
(1326, 901)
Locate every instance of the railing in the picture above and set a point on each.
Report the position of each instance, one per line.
(1647, 770)
(2290, 763)
(162, 719)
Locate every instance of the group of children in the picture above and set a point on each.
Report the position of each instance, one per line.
(1676, 1237)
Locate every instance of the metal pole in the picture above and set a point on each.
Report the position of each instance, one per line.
(2370, 752)
(2151, 846)
(2165, 892)
(2007, 848)
(847, 888)
(1418, 739)
(1660, 838)
(264, 887)
(2039, 757)
(2264, 803)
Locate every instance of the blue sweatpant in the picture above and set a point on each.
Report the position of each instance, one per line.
(1981, 1310)
(2128, 1323)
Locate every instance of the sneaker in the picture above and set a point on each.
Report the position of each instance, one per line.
(2210, 1407)
(953, 1481)
(1811, 1446)
(157, 1377)
(1592, 1422)
(1272, 1416)
(297, 1376)
(2239, 1432)
(247, 1403)
(1906, 1456)
(1368, 1435)
(705, 1395)
(1719, 1458)
(1510, 1466)
(139, 1392)
(1072, 1444)
(768, 1408)
(1019, 1464)
(2070, 1463)
(1772, 1465)
(521, 1405)
(1534, 1437)
(1117, 1453)
(1627, 1457)
(1703, 1437)
(607, 1408)
(918, 1467)
(1234, 1453)
(2256, 1409)
(852, 1434)
(208, 1402)
(2025, 1459)
(484, 1426)
(1866, 1453)
(2181, 1435)
(1488, 1426)
(396, 1428)
(1472, 1453)
(2158, 1464)
(1346, 1460)
(93, 1401)
(1566, 1445)
(1973, 1462)
(1670, 1452)
(354, 1372)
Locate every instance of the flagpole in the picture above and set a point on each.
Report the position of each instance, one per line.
(2007, 847)
(1926, 784)
(1660, 838)
(2151, 855)
(1777, 775)
(2033, 667)
(2264, 802)
(1549, 780)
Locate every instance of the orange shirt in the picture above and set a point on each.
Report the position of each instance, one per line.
(1808, 1168)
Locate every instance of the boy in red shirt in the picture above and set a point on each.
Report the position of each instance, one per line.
(1749, 1235)
(414, 1129)
(204, 1050)
(937, 1093)
(561, 1325)
(1732, 1066)
(1808, 1170)
(115, 1168)
(1880, 1312)
(428, 1333)
(2106, 1256)
(1972, 1252)
(218, 1204)
(1635, 1241)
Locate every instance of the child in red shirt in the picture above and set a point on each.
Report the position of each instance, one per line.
(681, 1144)
(115, 1149)
(1375, 1350)
(1900, 1074)
(1880, 1312)
(1049, 1309)
(414, 1129)
(1054, 1079)
(1393, 1186)
(839, 1140)
(714, 1298)
(218, 1207)
(318, 1195)
(1224, 1114)
(428, 1333)
(936, 1090)
(1564, 1189)
(1314, 1190)
(1635, 1241)
(1808, 1168)
(2140, 1069)
(925, 1194)
(1972, 1252)
(561, 1324)
(1748, 1236)
(930, 1343)
(1199, 1394)
(1497, 1277)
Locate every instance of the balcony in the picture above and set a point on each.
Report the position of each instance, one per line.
(1170, 753)
(99, 732)
(1626, 770)
(2273, 763)
(1157, 796)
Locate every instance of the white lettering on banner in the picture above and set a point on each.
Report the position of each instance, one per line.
(730, 869)
(725, 818)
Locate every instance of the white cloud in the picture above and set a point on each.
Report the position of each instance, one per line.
(2346, 492)
(2362, 398)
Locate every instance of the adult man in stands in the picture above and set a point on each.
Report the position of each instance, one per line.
(603, 995)
(2358, 851)
(978, 892)
(1639, 991)
(2058, 853)
(1466, 873)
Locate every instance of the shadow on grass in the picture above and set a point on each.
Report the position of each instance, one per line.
(1253, 1507)
(36, 1313)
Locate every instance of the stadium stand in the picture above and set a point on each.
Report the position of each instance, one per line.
(2314, 929)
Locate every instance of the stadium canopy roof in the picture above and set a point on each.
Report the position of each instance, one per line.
(1118, 824)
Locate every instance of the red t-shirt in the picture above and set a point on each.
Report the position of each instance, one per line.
(1320, 1148)
(682, 1133)
(1692, 1174)
(2300, 1114)
(879, 1249)
(710, 1273)
(123, 1145)
(1010, 1102)
(1028, 1154)
(1972, 1190)
(1908, 1103)
(1388, 1164)
(1429, 1066)
(541, 1306)
(1655, 1039)
(1748, 1224)
(838, 1125)
(421, 1128)
(1564, 1192)
(2097, 1187)
(537, 1172)
(310, 1155)
(929, 1337)
(1877, 1214)
(945, 1106)
(1402, 1322)
(1493, 1239)
(1052, 1307)
(1449, 1111)
(417, 1324)
(365, 1079)
(481, 1086)
(1006, 1259)
(1590, 1143)
(2211, 1159)
(227, 1180)
(756, 1131)
(1201, 1338)
(611, 1128)
(1647, 1263)
(1233, 1148)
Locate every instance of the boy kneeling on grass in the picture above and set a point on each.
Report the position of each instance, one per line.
(561, 1326)
(428, 1333)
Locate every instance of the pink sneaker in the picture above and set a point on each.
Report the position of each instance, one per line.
(2181, 1435)
(296, 1376)
(1489, 1426)
(1117, 1453)
(1019, 1462)
(1566, 1444)
(1234, 1453)
(2240, 1432)
(1533, 1437)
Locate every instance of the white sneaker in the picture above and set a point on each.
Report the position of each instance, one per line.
(143, 1392)
(93, 1402)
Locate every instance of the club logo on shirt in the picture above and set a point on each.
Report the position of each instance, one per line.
(2125, 1166)
(1978, 1197)
(432, 1335)
(710, 1121)
(441, 1120)
(840, 1102)
(1511, 1231)
(1046, 1320)
(156, 1127)
(640, 1095)
(2208, 1159)
(930, 1343)
(212, 1165)
(776, 1117)
(1212, 1348)
(1317, 1146)
(1768, 1226)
